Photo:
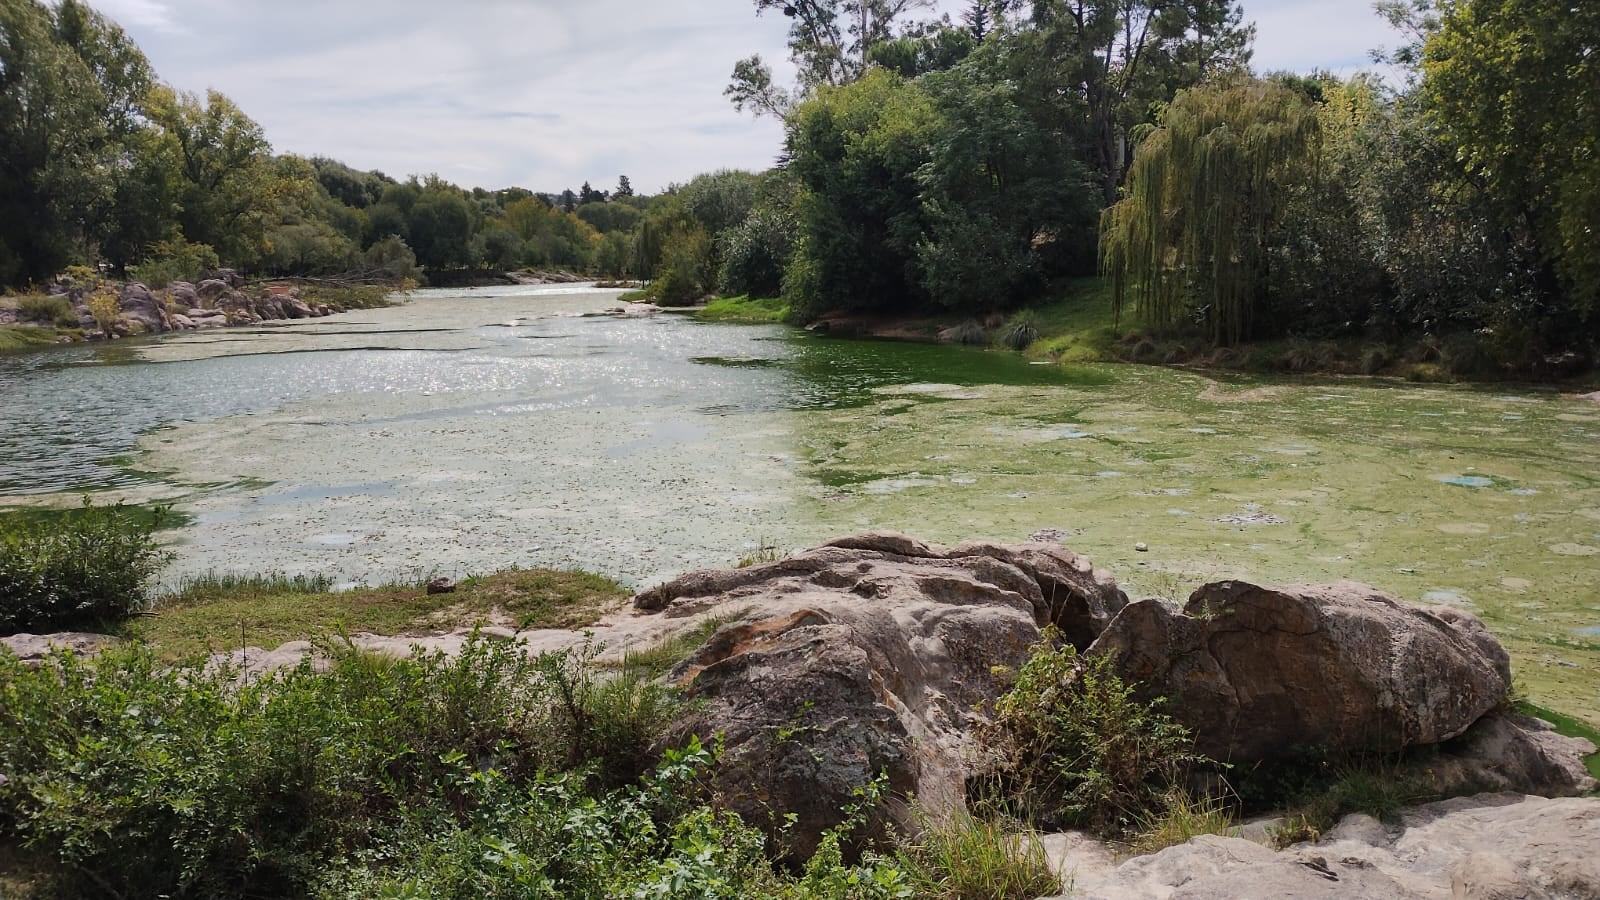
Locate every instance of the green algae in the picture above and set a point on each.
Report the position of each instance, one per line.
(1432, 493)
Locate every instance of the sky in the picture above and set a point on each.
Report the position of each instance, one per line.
(545, 94)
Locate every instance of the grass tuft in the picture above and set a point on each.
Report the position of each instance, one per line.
(968, 858)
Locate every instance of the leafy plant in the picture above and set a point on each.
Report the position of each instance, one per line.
(55, 311)
(1021, 331)
(1074, 746)
(175, 260)
(89, 568)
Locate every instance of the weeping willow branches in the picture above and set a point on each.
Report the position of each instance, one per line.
(1204, 191)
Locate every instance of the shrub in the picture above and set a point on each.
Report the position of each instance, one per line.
(970, 332)
(55, 311)
(176, 260)
(105, 309)
(130, 778)
(1074, 746)
(88, 568)
(968, 857)
(1021, 331)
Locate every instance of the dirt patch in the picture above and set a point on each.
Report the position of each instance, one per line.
(1214, 393)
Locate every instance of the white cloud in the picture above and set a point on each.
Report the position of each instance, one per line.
(543, 93)
(149, 14)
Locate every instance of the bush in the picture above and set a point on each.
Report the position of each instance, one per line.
(56, 311)
(130, 778)
(88, 568)
(170, 261)
(1021, 331)
(1074, 747)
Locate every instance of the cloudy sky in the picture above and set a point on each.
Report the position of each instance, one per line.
(541, 93)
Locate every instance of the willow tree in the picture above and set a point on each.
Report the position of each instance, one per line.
(1205, 190)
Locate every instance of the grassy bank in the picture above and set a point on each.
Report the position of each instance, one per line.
(216, 613)
(744, 311)
(1076, 325)
(32, 337)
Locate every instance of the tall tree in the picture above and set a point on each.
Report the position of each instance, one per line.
(1121, 58)
(1516, 86)
(1205, 190)
(830, 43)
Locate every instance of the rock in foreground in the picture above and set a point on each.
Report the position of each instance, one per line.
(1260, 674)
(1490, 847)
(872, 655)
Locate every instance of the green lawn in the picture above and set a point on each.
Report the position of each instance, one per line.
(744, 310)
(1077, 325)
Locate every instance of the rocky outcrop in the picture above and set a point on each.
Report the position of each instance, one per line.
(1506, 751)
(140, 311)
(1260, 673)
(1489, 847)
(34, 649)
(875, 654)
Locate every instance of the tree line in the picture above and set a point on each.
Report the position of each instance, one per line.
(931, 165)
(102, 163)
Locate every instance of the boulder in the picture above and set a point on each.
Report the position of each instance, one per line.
(1506, 751)
(1262, 673)
(140, 310)
(182, 322)
(34, 649)
(184, 294)
(1488, 846)
(873, 654)
(295, 308)
(230, 277)
(211, 289)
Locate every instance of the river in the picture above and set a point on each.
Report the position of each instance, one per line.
(472, 430)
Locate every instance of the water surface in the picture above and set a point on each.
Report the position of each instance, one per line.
(470, 430)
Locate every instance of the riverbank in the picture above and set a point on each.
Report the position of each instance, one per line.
(1078, 326)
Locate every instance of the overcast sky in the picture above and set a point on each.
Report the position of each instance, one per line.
(546, 94)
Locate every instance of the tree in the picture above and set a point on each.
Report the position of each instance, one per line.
(856, 152)
(830, 42)
(1122, 58)
(1207, 186)
(1004, 203)
(978, 19)
(588, 194)
(624, 188)
(440, 226)
(70, 88)
(1514, 85)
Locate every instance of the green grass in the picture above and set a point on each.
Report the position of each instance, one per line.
(207, 615)
(744, 311)
(158, 516)
(1569, 727)
(344, 299)
(1077, 326)
(659, 658)
(26, 337)
(969, 857)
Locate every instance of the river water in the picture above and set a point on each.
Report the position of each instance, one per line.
(467, 431)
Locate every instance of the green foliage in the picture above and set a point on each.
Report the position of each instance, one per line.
(89, 568)
(25, 337)
(855, 153)
(968, 858)
(53, 311)
(756, 251)
(175, 260)
(138, 779)
(1021, 330)
(1074, 746)
(1512, 83)
(744, 310)
(1206, 187)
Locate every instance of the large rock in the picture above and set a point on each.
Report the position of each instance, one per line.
(1509, 752)
(141, 310)
(874, 654)
(184, 294)
(211, 289)
(34, 649)
(1260, 673)
(1489, 847)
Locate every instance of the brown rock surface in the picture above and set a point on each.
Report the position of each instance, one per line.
(1259, 673)
(873, 654)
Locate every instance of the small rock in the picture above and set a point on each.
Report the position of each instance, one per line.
(441, 585)
(1142, 547)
